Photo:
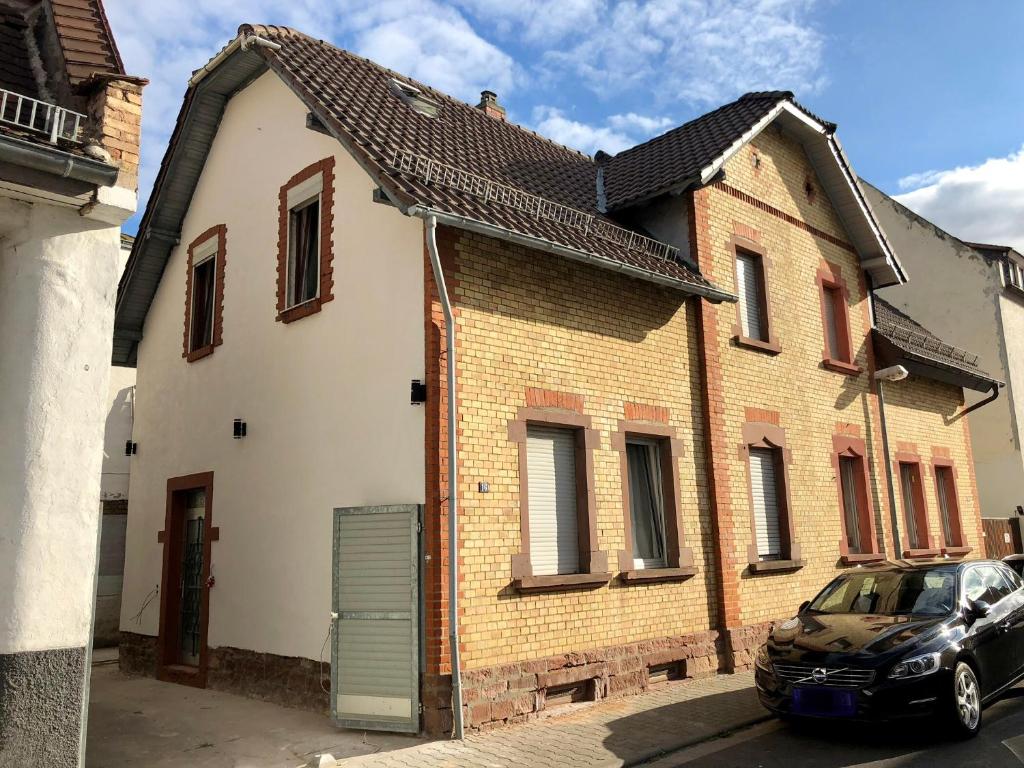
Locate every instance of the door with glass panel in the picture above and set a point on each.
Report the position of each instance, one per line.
(192, 577)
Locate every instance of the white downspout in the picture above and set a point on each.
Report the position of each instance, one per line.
(453, 469)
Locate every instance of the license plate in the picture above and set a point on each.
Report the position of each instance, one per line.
(824, 702)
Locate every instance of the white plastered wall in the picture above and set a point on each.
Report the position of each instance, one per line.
(325, 398)
(58, 276)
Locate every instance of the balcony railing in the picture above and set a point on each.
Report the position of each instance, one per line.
(34, 116)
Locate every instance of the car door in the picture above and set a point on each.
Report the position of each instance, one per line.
(1015, 601)
(990, 636)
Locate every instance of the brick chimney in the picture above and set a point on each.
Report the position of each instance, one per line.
(489, 104)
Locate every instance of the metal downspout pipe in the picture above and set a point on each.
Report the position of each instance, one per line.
(453, 527)
(893, 513)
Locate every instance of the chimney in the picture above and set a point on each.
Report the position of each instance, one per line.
(489, 104)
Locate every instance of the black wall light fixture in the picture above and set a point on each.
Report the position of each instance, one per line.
(239, 429)
(130, 447)
(418, 392)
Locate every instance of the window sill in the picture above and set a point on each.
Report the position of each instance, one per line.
(856, 558)
(770, 347)
(560, 581)
(841, 366)
(652, 575)
(955, 551)
(299, 311)
(920, 553)
(199, 354)
(776, 566)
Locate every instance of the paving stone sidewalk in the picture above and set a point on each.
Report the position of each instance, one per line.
(620, 732)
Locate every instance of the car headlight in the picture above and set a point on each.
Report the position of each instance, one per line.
(916, 666)
(762, 660)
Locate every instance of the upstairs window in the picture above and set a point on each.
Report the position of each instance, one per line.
(837, 354)
(1014, 274)
(304, 252)
(750, 287)
(204, 293)
(204, 277)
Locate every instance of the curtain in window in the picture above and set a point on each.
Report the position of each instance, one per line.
(305, 223)
(202, 303)
(947, 503)
(851, 511)
(646, 504)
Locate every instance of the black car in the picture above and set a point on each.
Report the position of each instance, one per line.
(1016, 562)
(899, 640)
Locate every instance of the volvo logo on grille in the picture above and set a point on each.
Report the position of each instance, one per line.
(819, 674)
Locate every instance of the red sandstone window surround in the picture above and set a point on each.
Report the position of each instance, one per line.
(773, 546)
(528, 431)
(837, 354)
(204, 294)
(953, 543)
(915, 511)
(858, 542)
(655, 547)
(305, 248)
(753, 328)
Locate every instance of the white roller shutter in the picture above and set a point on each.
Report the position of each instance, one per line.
(747, 287)
(551, 482)
(765, 495)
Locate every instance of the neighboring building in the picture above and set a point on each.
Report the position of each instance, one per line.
(648, 471)
(973, 298)
(117, 448)
(69, 144)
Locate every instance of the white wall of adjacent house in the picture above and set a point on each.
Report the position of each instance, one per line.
(957, 294)
(58, 277)
(326, 399)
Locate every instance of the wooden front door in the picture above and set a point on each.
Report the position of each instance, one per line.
(184, 604)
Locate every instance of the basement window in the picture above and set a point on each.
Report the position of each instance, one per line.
(415, 98)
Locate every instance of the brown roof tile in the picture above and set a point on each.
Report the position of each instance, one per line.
(86, 39)
(15, 69)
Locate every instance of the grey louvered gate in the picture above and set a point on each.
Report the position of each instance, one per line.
(375, 654)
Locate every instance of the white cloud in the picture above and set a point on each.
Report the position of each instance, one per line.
(621, 132)
(537, 21)
(983, 203)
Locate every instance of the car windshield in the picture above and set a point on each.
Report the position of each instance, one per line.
(890, 593)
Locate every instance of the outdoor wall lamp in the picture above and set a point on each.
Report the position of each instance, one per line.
(239, 429)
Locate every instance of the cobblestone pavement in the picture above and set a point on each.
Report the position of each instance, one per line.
(616, 733)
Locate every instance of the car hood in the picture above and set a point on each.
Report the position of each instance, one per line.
(819, 634)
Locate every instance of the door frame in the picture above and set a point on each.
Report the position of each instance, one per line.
(168, 667)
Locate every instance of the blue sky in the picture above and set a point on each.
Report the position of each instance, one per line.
(928, 95)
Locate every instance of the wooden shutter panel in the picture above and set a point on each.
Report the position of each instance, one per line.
(765, 495)
(748, 287)
(551, 482)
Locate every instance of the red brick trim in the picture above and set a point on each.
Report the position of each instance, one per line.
(536, 397)
(756, 434)
(645, 412)
(906, 453)
(846, 445)
(168, 668)
(220, 231)
(326, 240)
(738, 244)
(677, 554)
(788, 218)
(832, 287)
(958, 543)
(592, 560)
(716, 450)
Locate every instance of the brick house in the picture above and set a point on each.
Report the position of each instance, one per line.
(669, 431)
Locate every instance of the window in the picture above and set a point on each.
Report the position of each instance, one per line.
(858, 543)
(750, 287)
(838, 352)
(985, 583)
(204, 294)
(764, 486)
(646, 503)
(554, 527)
(415, 98)
(849, 470)
(913, 506)
(204, 277)
(1014, 274)
(893, 593)
(305, 274)
(949, 507)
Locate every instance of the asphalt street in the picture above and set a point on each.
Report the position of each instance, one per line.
(832, 745)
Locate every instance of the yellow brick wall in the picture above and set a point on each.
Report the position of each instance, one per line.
(918, 411)
(527, 319)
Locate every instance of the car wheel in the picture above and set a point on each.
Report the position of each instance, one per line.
(966, 710)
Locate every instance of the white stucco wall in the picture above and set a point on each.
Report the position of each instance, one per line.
(118, 427)
(326, 398)
(956, 293)
(58, 278)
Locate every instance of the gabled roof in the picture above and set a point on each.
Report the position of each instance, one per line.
(906, 341)
(85, 40)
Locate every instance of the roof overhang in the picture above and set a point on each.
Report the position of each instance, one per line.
(210, 88)
(57, 170)
(888, 353)
(840, 182)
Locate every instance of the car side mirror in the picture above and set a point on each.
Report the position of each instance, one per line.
(978, 609)
(803, 606)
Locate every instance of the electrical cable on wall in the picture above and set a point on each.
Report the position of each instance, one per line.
(137, 618)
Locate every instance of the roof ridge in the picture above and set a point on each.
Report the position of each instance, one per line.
(291, 31)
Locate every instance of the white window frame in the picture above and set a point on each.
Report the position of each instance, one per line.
(301, 196)
(201, 254)
(572, 562)
(654, 448)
